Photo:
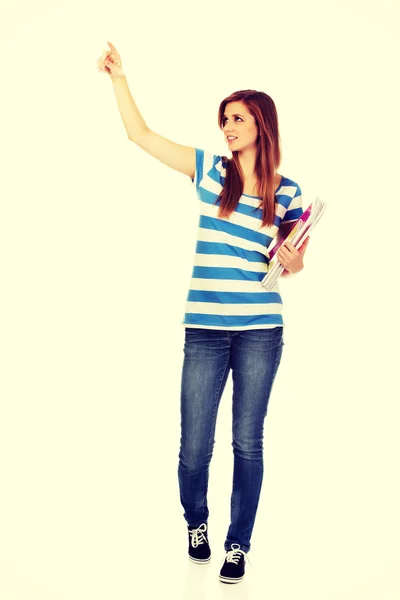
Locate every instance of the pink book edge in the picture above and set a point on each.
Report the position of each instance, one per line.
(303, 218)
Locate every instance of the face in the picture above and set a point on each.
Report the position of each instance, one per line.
(238, 122)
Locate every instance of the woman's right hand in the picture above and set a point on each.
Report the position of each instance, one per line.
(110, 62)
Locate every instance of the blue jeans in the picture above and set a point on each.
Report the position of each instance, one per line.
(254, 356)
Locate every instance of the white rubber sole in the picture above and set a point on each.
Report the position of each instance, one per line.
(229, 580)
(199, 561)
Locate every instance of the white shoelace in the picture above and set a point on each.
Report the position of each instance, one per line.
(197, 535)
(233, 555)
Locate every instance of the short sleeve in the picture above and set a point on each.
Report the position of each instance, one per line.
(198, 174)
(207, 164)
(295, 208)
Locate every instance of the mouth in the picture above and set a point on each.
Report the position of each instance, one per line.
(231, 139)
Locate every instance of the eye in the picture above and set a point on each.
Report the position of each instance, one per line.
(225, 119)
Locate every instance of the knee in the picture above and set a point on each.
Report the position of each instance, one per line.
(248, 448)
(194, 458)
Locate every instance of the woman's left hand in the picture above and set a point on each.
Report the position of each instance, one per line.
(290, 257)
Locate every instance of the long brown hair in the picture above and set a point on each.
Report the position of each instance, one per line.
(268, 156)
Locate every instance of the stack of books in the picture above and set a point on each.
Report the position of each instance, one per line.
(296, 235)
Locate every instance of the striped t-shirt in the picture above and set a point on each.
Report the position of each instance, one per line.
(232, 255)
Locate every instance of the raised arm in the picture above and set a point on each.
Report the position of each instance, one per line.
(178, 157)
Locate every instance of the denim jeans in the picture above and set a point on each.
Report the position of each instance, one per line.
(254, 356)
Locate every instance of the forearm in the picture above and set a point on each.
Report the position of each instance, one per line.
(131, 117)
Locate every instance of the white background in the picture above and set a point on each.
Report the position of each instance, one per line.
(96, 247)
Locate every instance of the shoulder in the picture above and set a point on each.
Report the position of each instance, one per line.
(290, 184)
(209, 158)
(288, 191)
(214, 164)
(209, 166)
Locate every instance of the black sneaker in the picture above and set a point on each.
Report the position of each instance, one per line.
(233, 568)
(199, 549)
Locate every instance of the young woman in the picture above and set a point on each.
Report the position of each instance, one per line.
(231, 323)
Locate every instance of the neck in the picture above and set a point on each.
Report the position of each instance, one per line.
(247, 160)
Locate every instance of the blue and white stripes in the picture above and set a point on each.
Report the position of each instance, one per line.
(232, 256)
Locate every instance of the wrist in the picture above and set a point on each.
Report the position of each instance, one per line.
(117, 77)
